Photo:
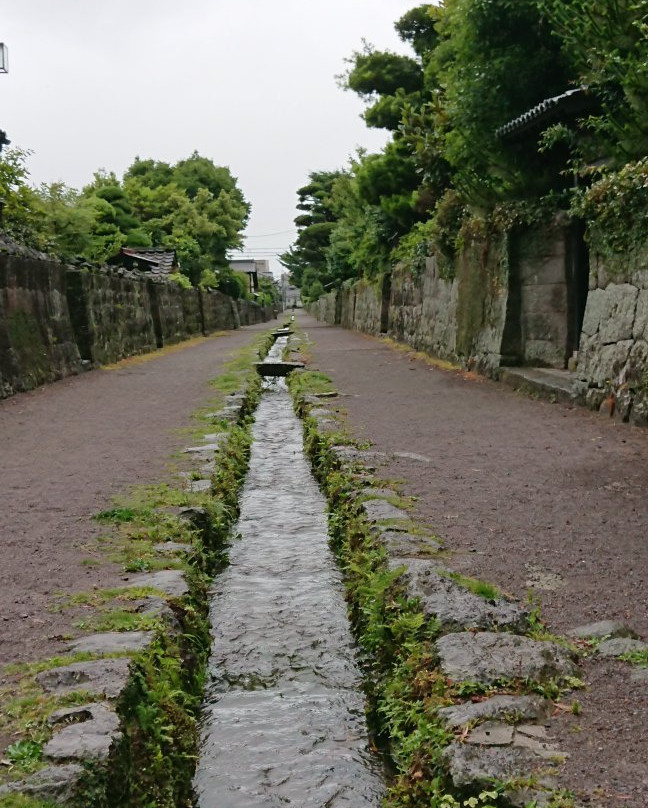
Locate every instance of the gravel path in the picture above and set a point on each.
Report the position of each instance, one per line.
(530, 496)
(65, 450)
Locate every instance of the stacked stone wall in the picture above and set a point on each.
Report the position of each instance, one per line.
(613, 354)
(56, 320)
(367, 309)
(111, 314)
(219, 312)
(37, 343)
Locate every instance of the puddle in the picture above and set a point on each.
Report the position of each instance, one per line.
(283, 719)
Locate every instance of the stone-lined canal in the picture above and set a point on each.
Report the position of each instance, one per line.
(284, 720)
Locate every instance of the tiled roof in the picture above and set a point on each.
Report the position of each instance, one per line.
(551, 110)
(159, 260)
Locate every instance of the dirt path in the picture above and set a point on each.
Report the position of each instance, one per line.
(65, 450)
(530, 496)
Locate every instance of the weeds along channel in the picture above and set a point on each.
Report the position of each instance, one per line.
(114, 721)
(409, 612)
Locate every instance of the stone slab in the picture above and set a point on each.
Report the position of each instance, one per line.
(106, 677)
(485, 657)
(91, 738)
(379, 510)
(113, 642)
(454, 606)
(349, 454)
(401, 544)
(158, 607)
(620, 645)
(476, 766)
(172, 582)
(55, 783)
(491, 733)
(603, 629)
(506, 708)
(198, 486)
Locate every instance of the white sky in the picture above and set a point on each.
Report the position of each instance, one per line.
(248, 83)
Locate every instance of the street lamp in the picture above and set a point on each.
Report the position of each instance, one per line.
(4, 58)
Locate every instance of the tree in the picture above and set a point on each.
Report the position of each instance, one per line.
(605, 42)
(314, 226)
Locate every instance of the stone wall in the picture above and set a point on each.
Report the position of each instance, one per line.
(520, 299)
(367, 307)
(37, 343)
(325, 308)
(220, 312)
(423, 312)
(613, 354)
(111, 315)
(56, 320)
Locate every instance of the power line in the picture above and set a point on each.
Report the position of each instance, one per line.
(278, 233)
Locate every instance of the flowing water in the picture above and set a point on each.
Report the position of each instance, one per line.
(284, 719)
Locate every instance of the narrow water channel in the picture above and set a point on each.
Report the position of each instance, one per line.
(284, 719)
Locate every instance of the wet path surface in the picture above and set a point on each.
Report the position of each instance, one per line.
(284, 716)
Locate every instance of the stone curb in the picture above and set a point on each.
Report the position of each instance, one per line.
(504, 737)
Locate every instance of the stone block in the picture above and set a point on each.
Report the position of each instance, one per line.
(54, 783)
(485, 657)
(544, 353)
(618, 646)
(454, 606)
(602, 364)
(595, 310)
(106, 677)
(90, 738)
(503, 708)
(172, 582)
(639, 412)
(603, 629)
(620, 306)
(640, 329)
(113, 642)
(634, 373)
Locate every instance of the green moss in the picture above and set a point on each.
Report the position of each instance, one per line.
(23, 801)
(481, 264)
(481, 588)
(26, 340)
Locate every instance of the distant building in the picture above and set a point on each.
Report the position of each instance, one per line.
(289, 294)
(255, 268)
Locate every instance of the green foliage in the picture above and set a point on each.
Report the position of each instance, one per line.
(25, 754)
(498, 59)
(182, 280)
(23, 801)
(616, 209)
(605, 43)
(314, 225)
(193, 207)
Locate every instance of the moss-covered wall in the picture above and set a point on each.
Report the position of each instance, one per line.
(37, 342)
(56, 320)
(111, 314)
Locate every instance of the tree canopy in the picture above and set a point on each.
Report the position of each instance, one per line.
(193, 207)
(474, 66)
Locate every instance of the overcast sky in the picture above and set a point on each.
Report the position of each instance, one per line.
(248, 83)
